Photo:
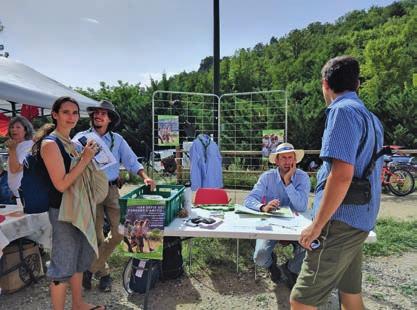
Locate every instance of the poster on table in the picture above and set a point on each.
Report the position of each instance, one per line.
(168, 130)
(144, 229)
(271, 138)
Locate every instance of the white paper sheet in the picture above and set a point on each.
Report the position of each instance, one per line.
(104, 158)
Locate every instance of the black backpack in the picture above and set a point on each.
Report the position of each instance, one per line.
(171, 267)
(172, 263)
(138, 283)
(36, 185)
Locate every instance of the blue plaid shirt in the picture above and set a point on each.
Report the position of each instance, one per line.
(349, 136)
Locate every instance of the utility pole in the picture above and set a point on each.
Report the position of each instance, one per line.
(216, 47)
(216, 62)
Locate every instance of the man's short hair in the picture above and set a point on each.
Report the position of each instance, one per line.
(341, 73)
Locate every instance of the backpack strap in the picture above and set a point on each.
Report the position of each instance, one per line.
(64, 154)
(60, 144)
(375, 154)
(370, 167)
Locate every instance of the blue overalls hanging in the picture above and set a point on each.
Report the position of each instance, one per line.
(206, 163)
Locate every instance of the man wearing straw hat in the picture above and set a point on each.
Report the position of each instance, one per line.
(104, 118)
(284, 185)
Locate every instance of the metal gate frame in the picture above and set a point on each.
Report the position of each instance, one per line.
(216, 101)
(219, 123)
(219, 100)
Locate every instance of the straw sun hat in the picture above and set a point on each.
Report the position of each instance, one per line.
(286, 148)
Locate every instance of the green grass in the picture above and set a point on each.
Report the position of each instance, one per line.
(118, 259)
(371, 279)
(393, 237)
(221, 254)
(217, 253)
(261, 298)
(156, 254)
(378, 295)
(409, 289)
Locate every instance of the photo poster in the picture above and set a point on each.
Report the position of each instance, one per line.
(144, 229)
(168, 130)
(271, 138)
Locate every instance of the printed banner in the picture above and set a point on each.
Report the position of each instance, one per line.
(271, 138)
(168, 130)
(144, 229)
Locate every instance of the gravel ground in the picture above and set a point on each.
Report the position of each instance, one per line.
(388, 283)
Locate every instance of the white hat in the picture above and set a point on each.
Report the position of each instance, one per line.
(286, 148)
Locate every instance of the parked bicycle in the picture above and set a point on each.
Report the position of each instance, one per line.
(398, 180)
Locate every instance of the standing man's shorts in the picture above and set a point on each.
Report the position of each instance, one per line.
(337, 263)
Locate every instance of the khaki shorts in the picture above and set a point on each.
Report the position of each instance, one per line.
(337, 263)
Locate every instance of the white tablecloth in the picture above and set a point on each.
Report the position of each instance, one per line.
(242, 226)
(32, 226)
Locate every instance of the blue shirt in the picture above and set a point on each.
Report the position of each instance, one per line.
(349, 136)
(121, 151)
(206, 164)
(270, 186)
(5, 192)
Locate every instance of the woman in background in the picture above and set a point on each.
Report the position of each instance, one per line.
(71, 253)
(20, 133)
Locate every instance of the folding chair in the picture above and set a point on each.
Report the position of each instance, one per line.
(211, 196)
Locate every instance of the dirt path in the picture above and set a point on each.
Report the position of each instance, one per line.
(402, 208)
(389, 283)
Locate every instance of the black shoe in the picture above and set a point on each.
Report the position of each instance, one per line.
(105, 283)
(290, 277)
(87, 275)
(274, 270)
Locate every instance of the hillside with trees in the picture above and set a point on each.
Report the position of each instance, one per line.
(383, 39)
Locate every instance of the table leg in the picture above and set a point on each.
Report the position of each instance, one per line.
(340, 300)
(237, 255)
(190, 245)
(148, 285)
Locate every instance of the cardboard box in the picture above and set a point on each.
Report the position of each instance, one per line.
(19, 276)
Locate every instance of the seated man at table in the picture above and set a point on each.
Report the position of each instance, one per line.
(284, 186)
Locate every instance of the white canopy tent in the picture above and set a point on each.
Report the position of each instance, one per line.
(20, 84)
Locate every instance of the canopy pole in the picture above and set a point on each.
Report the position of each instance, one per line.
(13, 108)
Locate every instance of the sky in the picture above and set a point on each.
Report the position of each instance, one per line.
(82, 42)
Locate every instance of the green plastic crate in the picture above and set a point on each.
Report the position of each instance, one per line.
(173, 195)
